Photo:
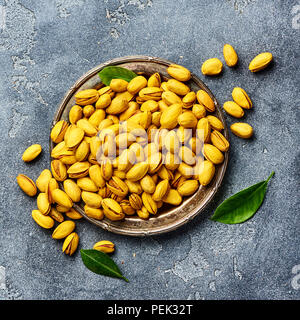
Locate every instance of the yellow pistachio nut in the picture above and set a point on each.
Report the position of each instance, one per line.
(42, 220)
(56, 215)
(70, 244)
(215, 123)
(106, 169)
(155, 162)
(87, 127)
(240, 96)
(104, 101)
(260, 62)
(199, 111)
(104, 246)
(31, 152)
(117, 186)
(204, 99)
(149, 203)
(96, 176)
(75, 114)
(143, 213)
(169, 98)
(233, 109)
(27, 185)
(118, 85)
(59, 170)
(184, 134)
(118, 105)
(52, 185)
(195, 145)
(138, 171)
(178, 87)
(203, 130)
(212, 153)
(134, 186)
(149, 105)
(106, 89)
(43, 180)
(242, 130)
(147, 184)
(87, 184)
(188, 187)
(179, 72)
(73, 214)
(62, 209)
(212, 67)
(187, 119)
(72, 190)
(94, 213)
(91, 199)
(171, 161)
(173, 197)
(112, 209)
(161, 190)
(127, 208)
(79, 170)
(137, 84)
(88, 110)
(187, 155)
(206, 172)
(43, 203)
(82, 151)
(219, 141)
(85, 97)
(61, 198)
(150, 93)
(135, 201)
(132, 108)
(230, 56)
(186, 170)
(154, 80)
(169, 117)
(74, 137)
(58, 131)
(96, 118)
(63, 229)
(189, 99)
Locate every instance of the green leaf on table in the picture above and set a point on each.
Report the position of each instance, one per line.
(242, 205)
(112, 72)
(100, 263)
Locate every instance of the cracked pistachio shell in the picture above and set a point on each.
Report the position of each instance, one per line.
(79, 170)
(96, 176)
(138, 171)
(149, 105)
(58, 131)
(187, 155)
(88, 110)
(188, 187)
(260, 62)
(187, 119)
(42, 220)
(149, 203)
(178, 87)
(70, 244)
(230, 56)
(43, 180)
(143, 213)
(118, 105)
(161, 190)
(215, 123)
(56, 215)
(189, 99)
(150, 93)
(233, 109)
(82, 151)
(86, 97)
(206, 172)
(171, 161)
(179, 72)
(117, 186)
(87, 127)
(242, 130)
(63, 229)
(104, 246)
(132, 108)
(134, 187)
(212, 153)
(240, 96)
(72, 190)
(154, 80)
(169, 117)
(147, 184)
(112, 209)
(87, 184)
(59, 170)
(106, 89)
(165, 173)
(27, 185)
(219, 141)
(137, 84)
(74, 137)
(204, 98)
(61, 150)
(104, 101)
(31, 152)
(91, 199)
(52, 185)
(173, 197)
(43, 203)
(135, 201)
(61, 198)
(106, 169)
(96, 118)
(212, 67)
(118, 85)
(127, 208)
(75, 114)
(94, 213)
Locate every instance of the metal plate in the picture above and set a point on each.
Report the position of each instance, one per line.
(169, 218)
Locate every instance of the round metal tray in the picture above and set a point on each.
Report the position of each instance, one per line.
(169, 218)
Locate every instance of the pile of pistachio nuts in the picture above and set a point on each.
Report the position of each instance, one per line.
(128, 149)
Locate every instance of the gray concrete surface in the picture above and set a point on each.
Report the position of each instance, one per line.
(46, 45)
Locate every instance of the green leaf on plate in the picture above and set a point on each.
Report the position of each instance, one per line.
(243, 205)
(112, 72)
(100, 263)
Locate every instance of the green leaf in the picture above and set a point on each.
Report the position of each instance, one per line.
(112, 72)
(243, 205)
(100, 263)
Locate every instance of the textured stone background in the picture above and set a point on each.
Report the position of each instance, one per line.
(46, 45)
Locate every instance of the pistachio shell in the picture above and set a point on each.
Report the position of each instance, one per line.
(260, 62)
(188, 187)
(230, 56)
(58, 131)
(187, 119)
(72, 190)
(61, 198)
(73, 214)
(93, 213)
(43, 203)
(63, 229)
(104, 246)
(219, 141)
(138, 171)
(242, 130)
(112, 209)
(204, 98)
(149, 203)
(173, 197)
(75, 114)
(178, 87)
(27, 185)
(118, 85)
(206, 172)
(240, 96)
(43, 180)
(137, 84)
(87, 184)
(91, 199)
(179, 72)
(233, 109)
(85, 97)
(215, 123)
(212, 67)
(154, 80)
(42, 220)
(70, 244)
(161, 190)
(59, 170)
(203, 130)
(212, 153)
(169, 117)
